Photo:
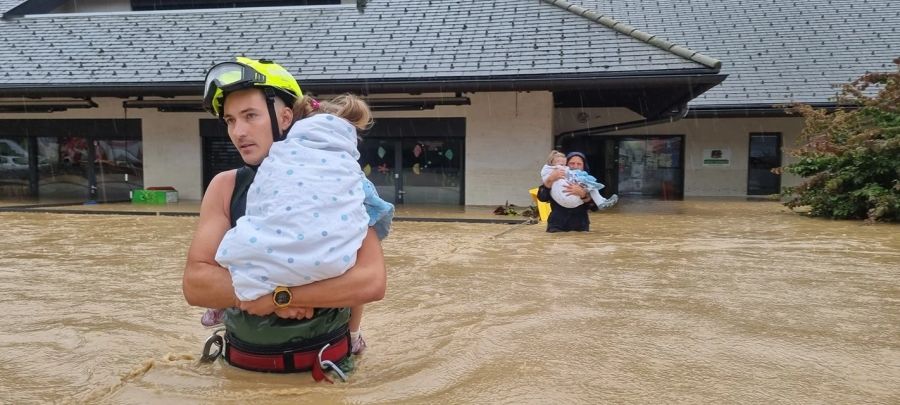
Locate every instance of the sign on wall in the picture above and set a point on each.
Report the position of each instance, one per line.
(720, 157)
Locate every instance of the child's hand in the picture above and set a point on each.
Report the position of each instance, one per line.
(555, 175)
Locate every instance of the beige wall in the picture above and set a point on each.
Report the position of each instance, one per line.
(171, 143)
(700, 134)
(573, 119)
(508, 135)
(172, 152)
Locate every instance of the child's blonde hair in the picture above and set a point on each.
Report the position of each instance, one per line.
(553, 155)
(346, 106)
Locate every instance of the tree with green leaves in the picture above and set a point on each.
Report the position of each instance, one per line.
(850, 157)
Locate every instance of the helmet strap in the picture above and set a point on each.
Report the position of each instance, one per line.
(270, 103)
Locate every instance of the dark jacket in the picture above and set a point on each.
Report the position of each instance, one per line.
(564, 219)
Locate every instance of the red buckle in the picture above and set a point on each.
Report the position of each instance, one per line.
(278, 362)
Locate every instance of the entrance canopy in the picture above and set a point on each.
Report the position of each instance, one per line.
(649, 96)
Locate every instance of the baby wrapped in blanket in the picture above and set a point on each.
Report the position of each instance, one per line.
(308, 211)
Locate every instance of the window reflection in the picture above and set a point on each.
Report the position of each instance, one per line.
(13, 167)
(66, 173)
(650, 167)
(118, 167)
(63, 168)
(70, 160)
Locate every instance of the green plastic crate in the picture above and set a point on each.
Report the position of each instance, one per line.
(153, 196)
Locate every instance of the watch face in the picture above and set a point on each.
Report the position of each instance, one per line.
(282, 298)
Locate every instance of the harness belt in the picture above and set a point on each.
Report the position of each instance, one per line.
(310, 357)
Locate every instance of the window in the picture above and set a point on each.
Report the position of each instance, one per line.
(70, 159)
(416, 160)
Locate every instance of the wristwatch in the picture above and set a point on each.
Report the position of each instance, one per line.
(282, 297)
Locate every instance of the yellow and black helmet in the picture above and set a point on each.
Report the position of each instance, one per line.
(245, 73)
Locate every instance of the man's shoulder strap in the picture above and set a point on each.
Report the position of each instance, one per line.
(242, 182)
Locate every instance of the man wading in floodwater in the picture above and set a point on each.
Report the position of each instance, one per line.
(257, 96)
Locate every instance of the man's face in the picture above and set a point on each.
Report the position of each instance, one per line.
(249, 128)
(575, 163)
(247, 117)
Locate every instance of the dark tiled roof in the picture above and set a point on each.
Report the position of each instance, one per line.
(391, 40)
(6, 5)
(773, 51)
(626, 29)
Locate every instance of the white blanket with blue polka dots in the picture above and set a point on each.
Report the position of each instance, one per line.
(305, 216)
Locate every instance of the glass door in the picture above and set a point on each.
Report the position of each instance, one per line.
(651, 167)
(118, 168)
(416, 160)
(75, 167)
(765, 155)
(66, 175)
(431, 171)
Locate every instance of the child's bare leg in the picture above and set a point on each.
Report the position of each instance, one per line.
(357, 344)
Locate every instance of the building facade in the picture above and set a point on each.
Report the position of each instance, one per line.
(100, 98)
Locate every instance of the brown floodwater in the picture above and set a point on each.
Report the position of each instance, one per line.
(714, 301)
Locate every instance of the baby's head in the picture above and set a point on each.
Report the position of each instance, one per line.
(346, 106)
(556, 158)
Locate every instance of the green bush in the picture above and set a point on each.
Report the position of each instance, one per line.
(850, 157)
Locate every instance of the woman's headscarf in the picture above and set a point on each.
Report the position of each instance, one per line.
(581, 155)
